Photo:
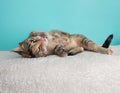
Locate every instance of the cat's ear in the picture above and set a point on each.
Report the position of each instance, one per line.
(20, 43)
(17, 50)
(20, 51)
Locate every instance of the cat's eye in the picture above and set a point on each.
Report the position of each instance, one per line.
(32, 41)
(33, 35)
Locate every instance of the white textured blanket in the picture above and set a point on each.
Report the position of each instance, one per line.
(86, 72)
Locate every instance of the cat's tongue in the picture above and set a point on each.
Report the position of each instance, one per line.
(42, 39)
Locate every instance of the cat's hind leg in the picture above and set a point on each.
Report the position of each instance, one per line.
(75, 50)
(91, 46)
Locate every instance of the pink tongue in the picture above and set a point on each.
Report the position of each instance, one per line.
(42, 39)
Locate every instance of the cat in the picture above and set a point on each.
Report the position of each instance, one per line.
(41, 44)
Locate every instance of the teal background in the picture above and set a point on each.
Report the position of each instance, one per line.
(94, 18)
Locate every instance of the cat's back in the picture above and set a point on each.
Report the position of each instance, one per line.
(59, 33)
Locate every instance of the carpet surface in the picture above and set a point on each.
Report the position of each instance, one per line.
(86, 72)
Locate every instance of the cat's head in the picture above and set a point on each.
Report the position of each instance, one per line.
(33, 46)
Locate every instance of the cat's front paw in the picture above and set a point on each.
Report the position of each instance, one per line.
(60, 51)
(75, 51)
(35, 50)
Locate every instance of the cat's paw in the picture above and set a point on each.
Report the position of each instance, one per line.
(64, 54)
(36, 47)
(35, 50)
(110, 52)
(75, 51)
(60, 51)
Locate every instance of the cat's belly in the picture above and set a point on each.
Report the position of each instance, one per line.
(67, 44)
(71, 44)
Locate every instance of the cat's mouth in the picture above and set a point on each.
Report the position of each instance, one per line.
(34, 40)
(43, 39)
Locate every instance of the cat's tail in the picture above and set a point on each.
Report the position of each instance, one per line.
(107, 42)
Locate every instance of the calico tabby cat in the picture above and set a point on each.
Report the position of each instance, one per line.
(40, 44)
